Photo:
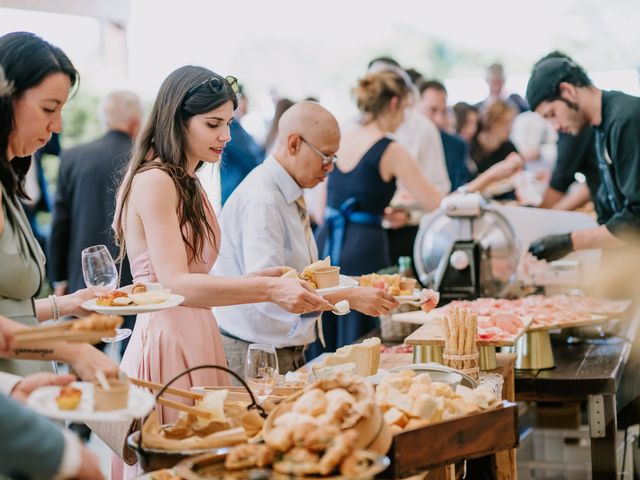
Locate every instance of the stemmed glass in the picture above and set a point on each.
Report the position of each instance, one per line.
(101, 276)
(261, 369)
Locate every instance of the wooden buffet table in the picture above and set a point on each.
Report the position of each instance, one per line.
(590, 372)
(451, 447)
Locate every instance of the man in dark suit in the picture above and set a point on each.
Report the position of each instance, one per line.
(85, 196)
(433, 104)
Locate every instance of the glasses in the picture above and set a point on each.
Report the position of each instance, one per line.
(216, 85)
(326, 159)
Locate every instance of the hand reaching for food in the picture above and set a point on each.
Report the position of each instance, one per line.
(370, 300)
(87, 360)
(296, 296)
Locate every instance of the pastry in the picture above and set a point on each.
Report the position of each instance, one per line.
(69, 398)
(249, 456)
(355, 464)
(297, 461)
(340, 448)
(97, 322)
(313, 402)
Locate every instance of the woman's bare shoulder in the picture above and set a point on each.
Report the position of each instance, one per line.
(153, 177)
(154, 186)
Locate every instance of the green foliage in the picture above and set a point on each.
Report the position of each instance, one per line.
(80, 119)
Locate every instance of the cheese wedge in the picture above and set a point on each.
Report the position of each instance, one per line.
(365, 355)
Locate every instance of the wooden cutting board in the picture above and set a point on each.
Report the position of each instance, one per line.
(617, 308)
(430, 334)
(590, 320)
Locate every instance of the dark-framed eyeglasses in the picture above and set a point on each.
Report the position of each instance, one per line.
(216, 84)
(326, 159)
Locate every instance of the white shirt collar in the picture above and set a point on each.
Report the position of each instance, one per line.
(290, 190)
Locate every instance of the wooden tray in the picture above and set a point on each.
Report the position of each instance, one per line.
(430, 334)
(448, 442)
(420, 318)
(592, 320)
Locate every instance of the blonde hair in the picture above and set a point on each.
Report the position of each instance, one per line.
(374, 92)
(497, 112)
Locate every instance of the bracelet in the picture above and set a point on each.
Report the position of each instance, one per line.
(54, 307)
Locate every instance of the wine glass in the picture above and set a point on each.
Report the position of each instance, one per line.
(261, 369)
(101, 276)
(99, 270)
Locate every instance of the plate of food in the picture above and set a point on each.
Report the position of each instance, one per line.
(325, 278)
(134, 299)
(89, 402)
(241, 464)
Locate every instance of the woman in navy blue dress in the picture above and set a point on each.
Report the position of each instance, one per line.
(360, 188)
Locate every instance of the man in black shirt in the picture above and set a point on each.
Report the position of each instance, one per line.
(576, 154)
(562, 93)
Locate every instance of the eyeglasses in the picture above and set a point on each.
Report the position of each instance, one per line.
(216, 84)
(326, 159)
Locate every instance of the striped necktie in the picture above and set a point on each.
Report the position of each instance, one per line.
(313, 255)
(306, 224)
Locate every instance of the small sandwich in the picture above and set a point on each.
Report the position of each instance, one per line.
(307, 273)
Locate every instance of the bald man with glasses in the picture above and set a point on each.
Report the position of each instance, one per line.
(266, 224)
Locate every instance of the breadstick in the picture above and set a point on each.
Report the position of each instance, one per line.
(462, 330)
(444, 326)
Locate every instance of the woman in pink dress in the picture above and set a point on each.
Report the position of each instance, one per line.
(171, 235)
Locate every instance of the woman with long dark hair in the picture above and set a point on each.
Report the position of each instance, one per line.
(35, 80)
(171, 235)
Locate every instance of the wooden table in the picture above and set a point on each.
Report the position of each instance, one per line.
(589, 372)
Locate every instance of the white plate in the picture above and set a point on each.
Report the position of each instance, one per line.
(345, 283)
(417, 296)
(173, 301)
(43, 401)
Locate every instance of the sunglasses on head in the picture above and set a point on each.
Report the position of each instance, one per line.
(215, 84)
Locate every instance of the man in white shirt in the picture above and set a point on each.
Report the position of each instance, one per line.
(265, 224)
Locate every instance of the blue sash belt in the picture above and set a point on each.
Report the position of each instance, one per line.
(336, 221)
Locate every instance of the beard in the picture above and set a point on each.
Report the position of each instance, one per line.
(578, 120)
